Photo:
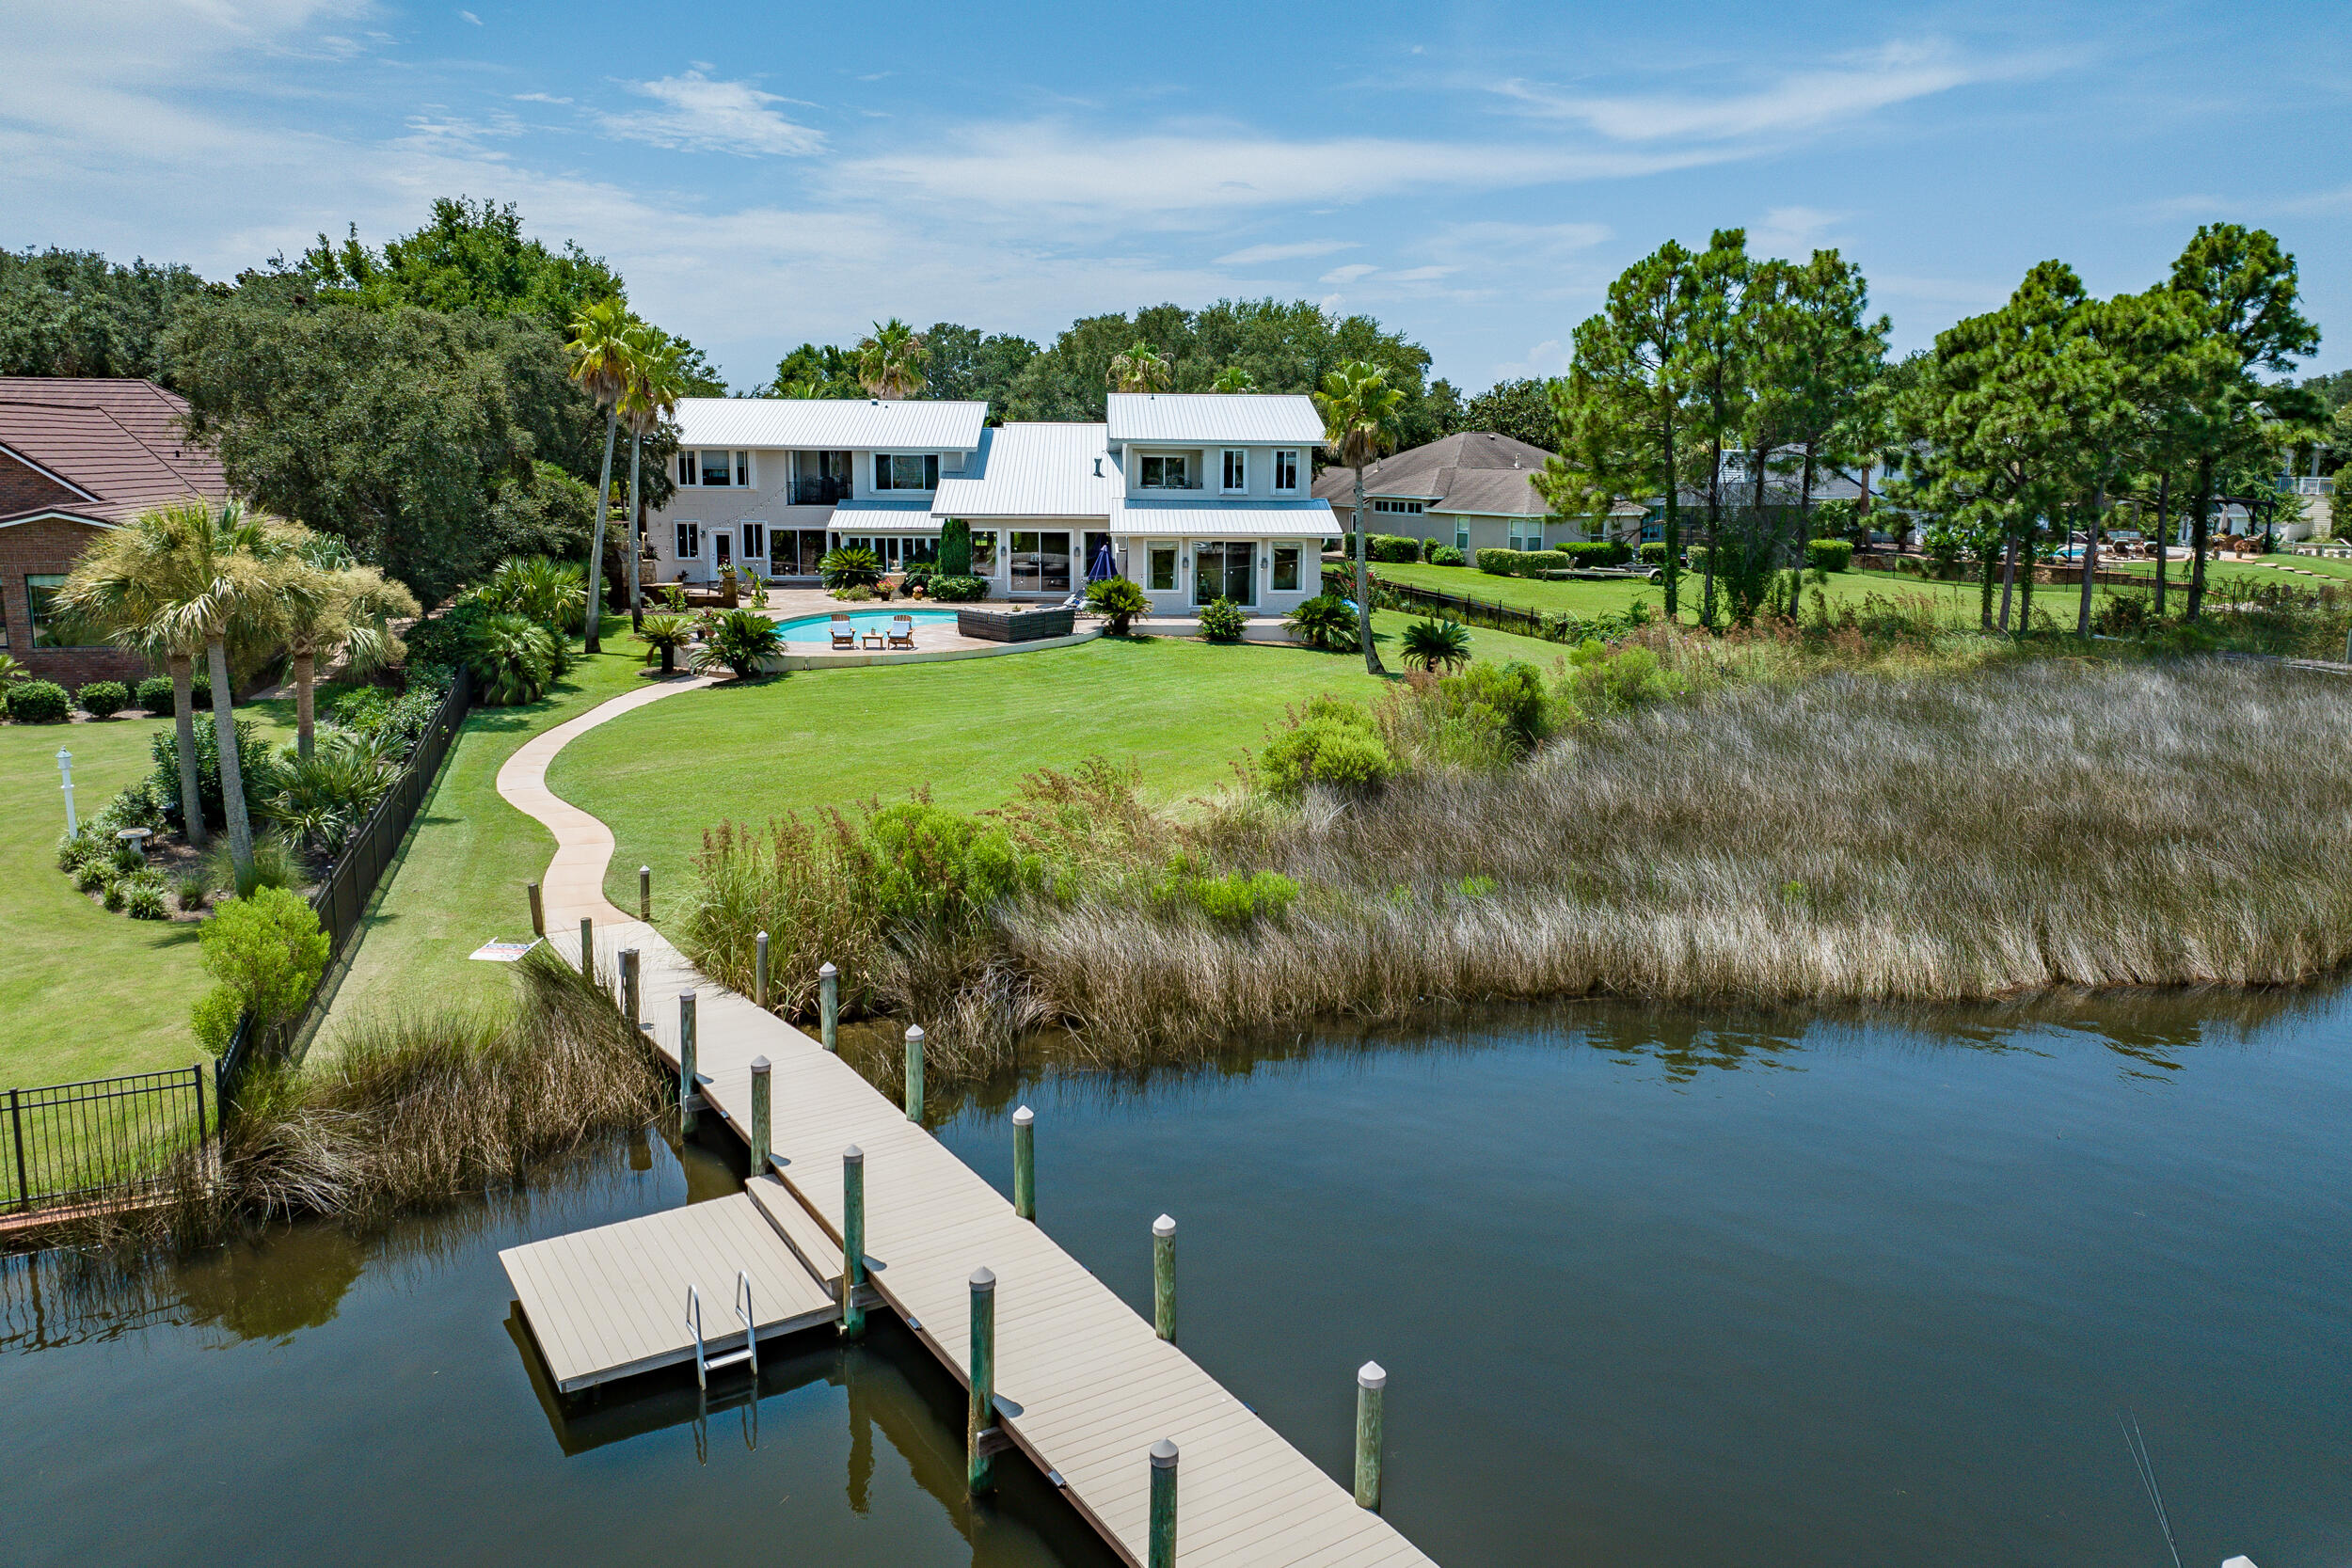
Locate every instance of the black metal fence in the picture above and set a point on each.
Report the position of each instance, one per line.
(1477, 612)
(105, 1139)
(342, 897)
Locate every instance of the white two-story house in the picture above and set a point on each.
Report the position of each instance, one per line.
(772, 483)
(1195, 497)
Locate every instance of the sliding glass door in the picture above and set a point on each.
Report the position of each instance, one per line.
(1041, 563)
(1225, 570)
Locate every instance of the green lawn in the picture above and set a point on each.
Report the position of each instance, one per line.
(87, 995)
(459, 879)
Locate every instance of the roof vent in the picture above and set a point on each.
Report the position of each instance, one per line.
(1098, 467)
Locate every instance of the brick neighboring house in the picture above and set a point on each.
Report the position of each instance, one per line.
(78, 457)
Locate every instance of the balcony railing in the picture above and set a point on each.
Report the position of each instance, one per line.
(2303, 485)
(819, 492)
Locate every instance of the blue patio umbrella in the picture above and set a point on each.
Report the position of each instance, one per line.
(1104, 568)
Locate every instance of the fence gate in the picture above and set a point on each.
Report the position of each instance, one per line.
(109, 1138)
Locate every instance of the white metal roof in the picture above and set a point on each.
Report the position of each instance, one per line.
(1231, 520)
(1034, 470)
(1237, 417)
(831, 424)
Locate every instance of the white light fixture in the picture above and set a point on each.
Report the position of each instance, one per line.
(65, 766)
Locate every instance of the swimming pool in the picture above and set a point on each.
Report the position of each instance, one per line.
(818, 628)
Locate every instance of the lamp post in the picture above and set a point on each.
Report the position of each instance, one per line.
(65, 766)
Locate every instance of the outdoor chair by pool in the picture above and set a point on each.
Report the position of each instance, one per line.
(902, 631)
(843, 636)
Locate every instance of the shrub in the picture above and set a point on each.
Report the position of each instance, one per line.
(857, 592)
(1237, 898)
(1430, 641)
(275, 866)
(951, 588)
(214, 1019)
(145, 901)
(162, 784)
(512, 659)
(1118, 601)
(1391, 547)
(1339, 579)
(102, 698)
(1654, 552)
(444, 638)
(1325, 622)
(77, 849)
(739, 642)
(550, 592)
(1222, 620)
(850, 566)
(1327, 742)
(1599, 552)
(925, 864)
(191, 889)
(93, 873)
(664, 634)
(1828, 555)
(1445, 555)
(117, 891)
(267, 951)
(39, 703)
(1600, 682)
(954, 550)
(320, 799)
(1502, 564)
(1512, 691)
(155, 694)
(1534, 563)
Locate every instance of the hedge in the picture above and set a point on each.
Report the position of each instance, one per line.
(1828, 555)
(39, 703)
(1523, 563)
(1654, 553)
(102, 698)
(1445, 555)
(1393, 549)
(1598, 552)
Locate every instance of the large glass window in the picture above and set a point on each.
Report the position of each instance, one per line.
(1285, 568)
(900, 471)
(718, 468)
(1225, 571)
(1236, 468)
(50, 628)
(1041, 563)
(1167, 473)
(1286, 470)
(983, 552)
(1163, 567)
(754, 541)
(690, 541)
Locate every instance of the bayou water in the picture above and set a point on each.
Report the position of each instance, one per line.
(1652, 1286)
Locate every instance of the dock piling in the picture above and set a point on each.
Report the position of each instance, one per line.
(827, 1004)
(763, 1120)
(1024, 1165)
(587, 948)
(760, 972)
(980, 1467)
(538, 910)
(1164, 1278)
(686, 1060)
(645, 893)
(1163, 1547)
(630, 995)
(1370, 1383)
(853, 1239)
(915, 1072)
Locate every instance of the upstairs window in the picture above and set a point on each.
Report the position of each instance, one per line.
(717, 468)
(687, 468)
(1409, 508)
(898, 471)
(1167, 473)
(1285, 470)
(1237, 470)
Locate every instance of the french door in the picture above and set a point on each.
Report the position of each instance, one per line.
(1041, 563)
(1225, 570)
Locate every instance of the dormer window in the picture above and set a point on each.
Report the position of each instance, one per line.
(1285, 471)
(898, 471)
(1167, 473)
(1237, 470)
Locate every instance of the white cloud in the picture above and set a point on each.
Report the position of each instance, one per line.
(699, 114)
(1546, 359)
(1792, 230)
(1256, 255)
(1853, 85)
(470, 17)
(1349, 274)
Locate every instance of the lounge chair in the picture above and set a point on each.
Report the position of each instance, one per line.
(844, 635)
(902, 631)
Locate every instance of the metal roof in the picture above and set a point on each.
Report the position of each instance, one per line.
(1288, 418)
(1233, 521)
(1034, 470)
(832, 424)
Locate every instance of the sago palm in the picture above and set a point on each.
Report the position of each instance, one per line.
(890, 362)
(1362, 420)
(655, 383)
(1140, 367)
(1430, 643)
(665, 635)
(600, 354)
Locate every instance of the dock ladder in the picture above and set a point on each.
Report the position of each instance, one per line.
(706, 1363)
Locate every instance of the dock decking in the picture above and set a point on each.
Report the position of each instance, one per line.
(1084, 1387)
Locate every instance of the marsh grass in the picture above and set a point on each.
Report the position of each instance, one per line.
(415, 1109)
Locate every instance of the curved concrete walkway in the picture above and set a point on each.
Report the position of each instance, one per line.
(573, 887)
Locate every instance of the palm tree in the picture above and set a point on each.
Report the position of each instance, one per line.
(890, 363)
(600, 363)
(1233, 378)
(655, 385)
(1359, 422)
(1140, 367)
(331, 605)
(119, 584)
(1430, 641)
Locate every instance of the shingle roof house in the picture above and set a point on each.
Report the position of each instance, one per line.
(1474, 490)
(76, 457)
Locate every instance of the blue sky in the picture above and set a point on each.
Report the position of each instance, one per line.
(1473, 174)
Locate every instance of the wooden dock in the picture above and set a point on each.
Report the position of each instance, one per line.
(1084, 1387)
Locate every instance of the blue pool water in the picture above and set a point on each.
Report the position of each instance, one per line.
(816, 628)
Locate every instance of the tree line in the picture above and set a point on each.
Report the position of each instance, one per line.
(2054, 417)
